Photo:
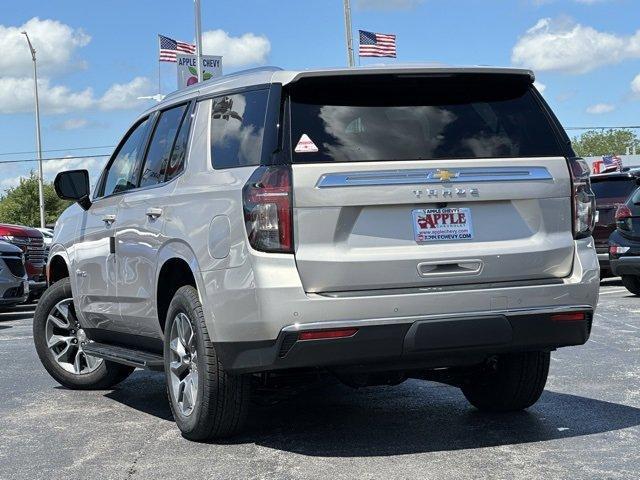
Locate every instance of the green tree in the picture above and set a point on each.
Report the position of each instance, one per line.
(597, 143)
(19, 204)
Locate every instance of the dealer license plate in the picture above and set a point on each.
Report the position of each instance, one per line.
(442, 224)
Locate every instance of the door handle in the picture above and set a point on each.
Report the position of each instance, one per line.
(452, 268)
(153, 213)
(109, 219)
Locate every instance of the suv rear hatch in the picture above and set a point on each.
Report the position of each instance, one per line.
(611, 190)
(421, 180)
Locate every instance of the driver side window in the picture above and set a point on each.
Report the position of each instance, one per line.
(122, 174)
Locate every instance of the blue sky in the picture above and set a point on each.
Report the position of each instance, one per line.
(97, 57)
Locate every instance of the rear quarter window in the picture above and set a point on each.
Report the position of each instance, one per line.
(237, 129)
(416, 119)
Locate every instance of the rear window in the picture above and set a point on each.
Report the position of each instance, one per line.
(351, 120)
(613, 189)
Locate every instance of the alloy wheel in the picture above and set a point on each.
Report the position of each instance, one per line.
(183, 364)
(66, 340)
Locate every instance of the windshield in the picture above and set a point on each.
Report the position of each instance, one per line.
(418, 119)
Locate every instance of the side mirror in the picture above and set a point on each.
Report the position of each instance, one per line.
(74, 185)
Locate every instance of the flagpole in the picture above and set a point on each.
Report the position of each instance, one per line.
(198, 38)
(159, 84)
(348, 33)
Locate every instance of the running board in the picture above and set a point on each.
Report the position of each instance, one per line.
(127, 356)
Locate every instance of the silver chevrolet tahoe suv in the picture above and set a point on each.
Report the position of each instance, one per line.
(375, 224)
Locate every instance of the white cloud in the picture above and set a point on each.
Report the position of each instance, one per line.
(387, 4)
(72, 124)
(600, 108)
(635, 85)
(94, 165)
(125, 95)
(16, 96)
(563, 45)
(55, 44)
(246, 49)
(50, 168)
(540, 86)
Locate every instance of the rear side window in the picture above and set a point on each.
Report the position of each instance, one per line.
(237, 129)
(389, 119)
(617, 190)
(179, 153)
(122, 173)
(161, 146)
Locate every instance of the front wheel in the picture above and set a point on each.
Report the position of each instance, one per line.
(207, 402)
(514, 382)
(632, 283)
(59, 340)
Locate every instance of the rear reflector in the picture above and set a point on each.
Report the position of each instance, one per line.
(569, 317)
(326, 334)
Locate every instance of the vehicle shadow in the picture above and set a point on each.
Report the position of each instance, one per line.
(416, 417)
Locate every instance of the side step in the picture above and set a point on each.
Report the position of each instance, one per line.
(128, 356)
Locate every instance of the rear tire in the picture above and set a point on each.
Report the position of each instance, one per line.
(632, 283)
(192, 369)
(100, 374)
(515, 383)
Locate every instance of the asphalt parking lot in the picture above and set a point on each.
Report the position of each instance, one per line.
(587, 424)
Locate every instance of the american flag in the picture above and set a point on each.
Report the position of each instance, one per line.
(377, 44)
(611, 163)
(170, 47)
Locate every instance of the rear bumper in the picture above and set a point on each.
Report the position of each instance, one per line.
(625, 266)
(251, 309)
(429, 342)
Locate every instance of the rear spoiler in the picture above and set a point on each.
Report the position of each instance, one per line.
(416, 72)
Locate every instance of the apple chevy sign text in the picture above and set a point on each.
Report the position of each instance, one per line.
(187, 68)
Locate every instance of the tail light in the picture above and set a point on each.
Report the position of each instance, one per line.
(618, 250)
(623, 217)
(267, 209)
(583, 198)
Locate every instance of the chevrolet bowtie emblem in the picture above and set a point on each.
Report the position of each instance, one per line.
(444, 175)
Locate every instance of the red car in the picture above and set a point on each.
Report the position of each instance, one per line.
(611, 190)
(31, 242)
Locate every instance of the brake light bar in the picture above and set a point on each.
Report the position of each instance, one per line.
(327, 334)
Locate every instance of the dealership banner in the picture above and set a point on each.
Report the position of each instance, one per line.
(187, 72)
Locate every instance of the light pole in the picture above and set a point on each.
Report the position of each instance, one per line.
(348, 30)
(38, 142)
(196, 4)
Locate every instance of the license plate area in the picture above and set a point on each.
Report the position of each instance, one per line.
(442, 224)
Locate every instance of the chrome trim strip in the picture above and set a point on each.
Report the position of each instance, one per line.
(431, 175)
(298, 327)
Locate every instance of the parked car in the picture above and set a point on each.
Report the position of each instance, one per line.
(375, 223)
(31, 242)
(611, 190)
(47, 235)
(624, 243)
(14, 285)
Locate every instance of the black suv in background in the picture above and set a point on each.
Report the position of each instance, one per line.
(611, 190)
(624, 243)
